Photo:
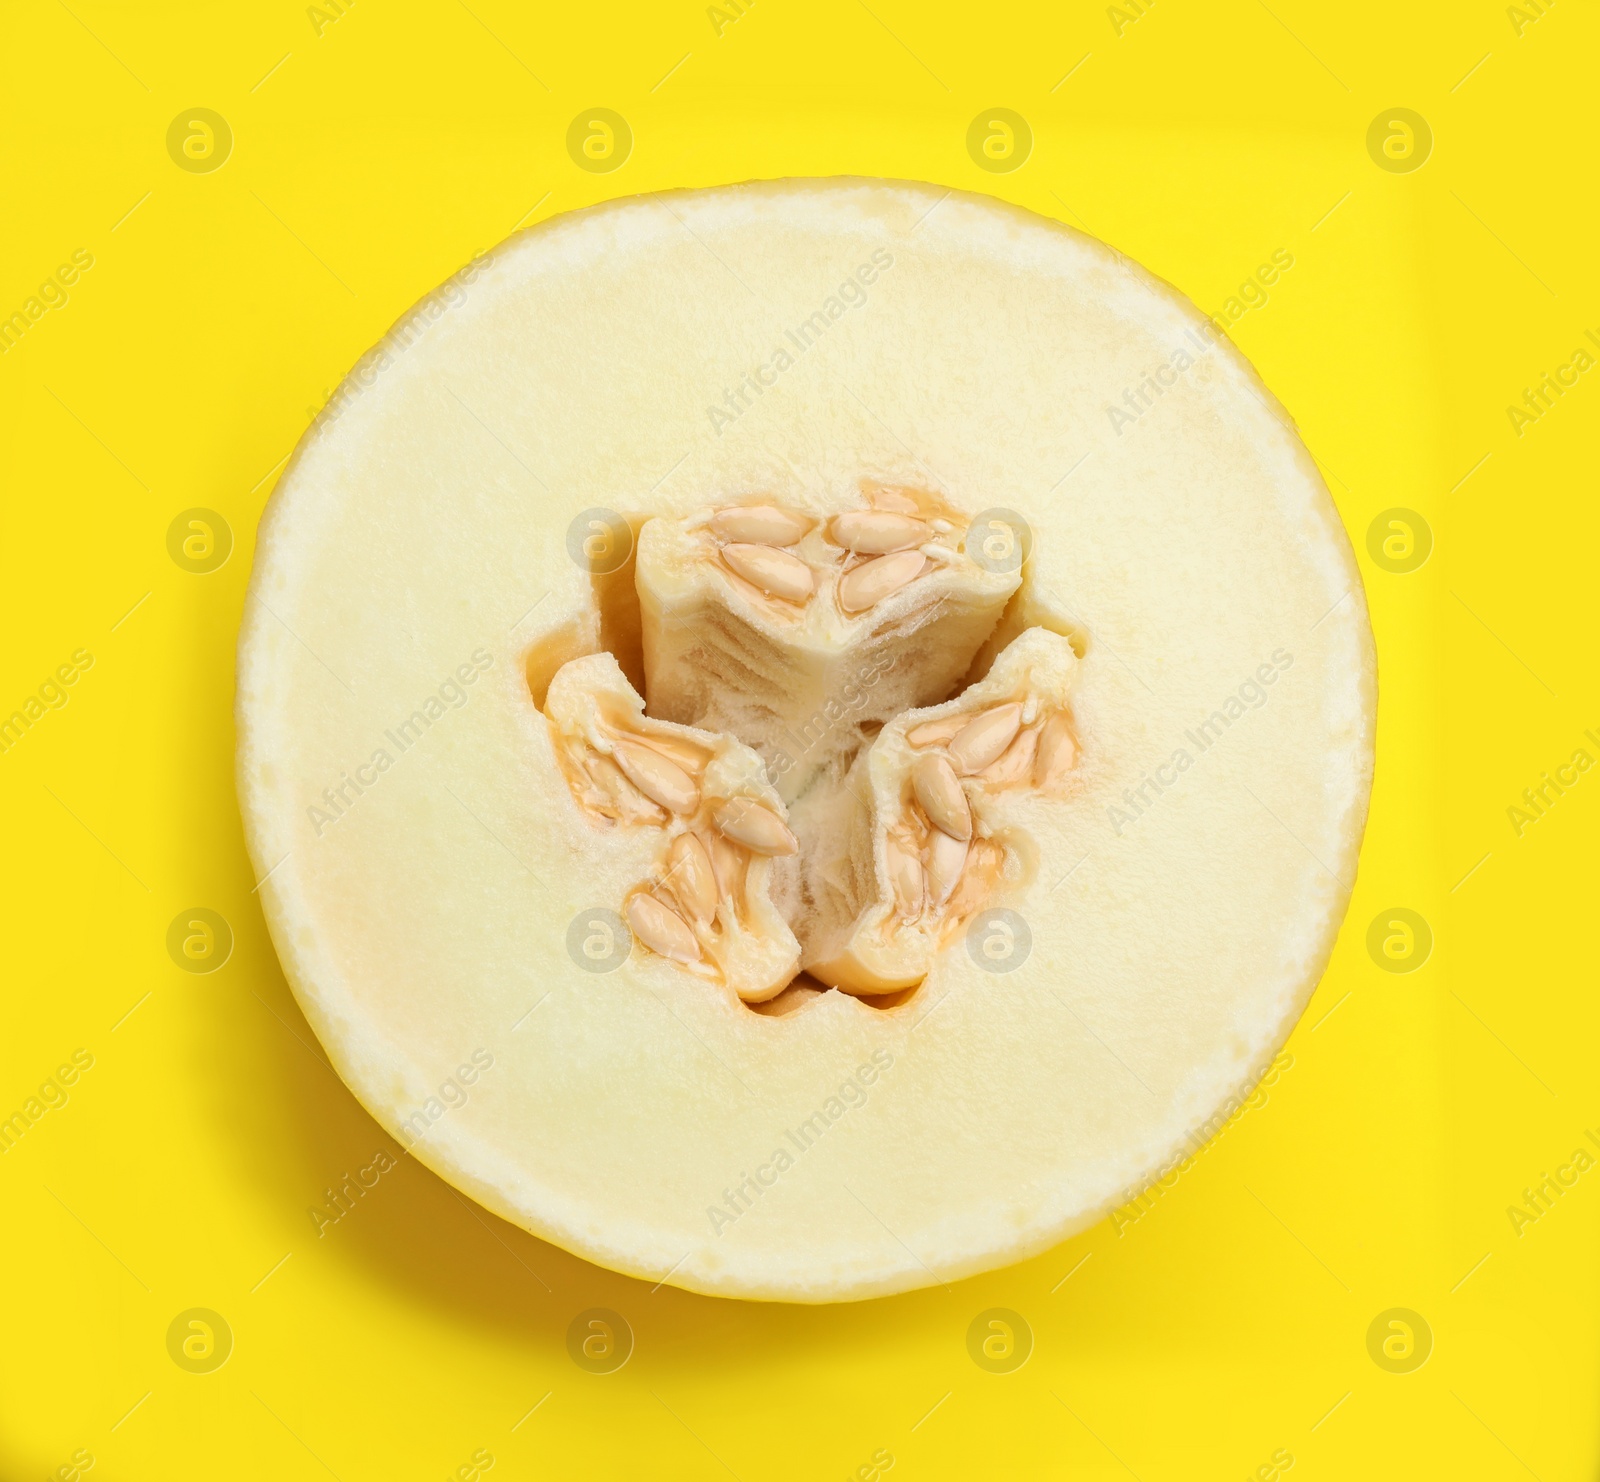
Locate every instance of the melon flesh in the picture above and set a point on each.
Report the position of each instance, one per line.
(1189, 599)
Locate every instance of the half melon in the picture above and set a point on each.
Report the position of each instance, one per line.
(803, 740)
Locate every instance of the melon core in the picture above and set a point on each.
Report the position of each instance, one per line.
(846, 706)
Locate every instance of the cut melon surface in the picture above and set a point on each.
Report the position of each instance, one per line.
(803, 740)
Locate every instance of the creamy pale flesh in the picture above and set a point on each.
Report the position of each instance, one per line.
(428, 869)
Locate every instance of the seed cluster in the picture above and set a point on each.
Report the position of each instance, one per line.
(869, 554)
(655, 777)
(935, 862)
(707, 905)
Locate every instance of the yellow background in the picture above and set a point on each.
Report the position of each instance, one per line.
(373, 153)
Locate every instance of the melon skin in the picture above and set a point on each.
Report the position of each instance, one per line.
(841, 1151)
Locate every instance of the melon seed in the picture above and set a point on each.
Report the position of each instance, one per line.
(754, 825)
(691, 877)
(983, 739)
(775, 572)
(894, 499)
(1057, 748)
(686, 754)
(727, 864)
(978, 879)
(658, 779)
(905, 875)
(1017, 761)
(662, 929)
(933, 780)
(759, 524)
(947, 857)
(932, 731)
(619, 797)
(874, 580)
(875, 532)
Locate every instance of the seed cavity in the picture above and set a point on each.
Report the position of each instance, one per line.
(981, 741)
(754, 825)
(868, 584)
(774, 572)
(878, 532)
(662, 929)
(759, 524)
(660, 780)
(728, 885)
(934, 783)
